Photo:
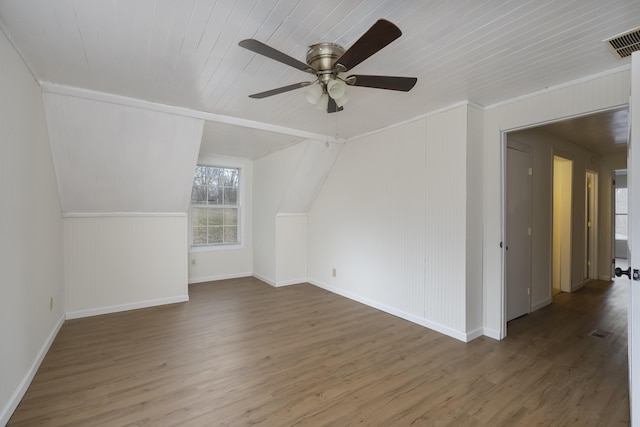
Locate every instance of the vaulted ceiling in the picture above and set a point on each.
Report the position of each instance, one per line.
(185, 53)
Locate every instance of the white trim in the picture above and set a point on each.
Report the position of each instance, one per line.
(17, 396)
(453, 333)
(605, 277)
(125, 307)
(193, 280)
(559, 86)
(181, 111)
(122, 214)
(420, 117)
(291, 282)
(491, 333)
(263, 279)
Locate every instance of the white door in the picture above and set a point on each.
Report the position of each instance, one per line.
(518, 231)
(633, 185)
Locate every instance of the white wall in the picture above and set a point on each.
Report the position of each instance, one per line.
(123, 262)
(31, 263)
(285, 186)
(604, 92)
(112, 157)
(206, 264)
(393, 220)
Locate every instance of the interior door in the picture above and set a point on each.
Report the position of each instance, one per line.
(518, 230)
(633, 185)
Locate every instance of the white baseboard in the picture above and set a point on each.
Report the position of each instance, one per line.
(125, 307)
(290, 282)
(17, 396)
(453, 333)
(491, 333)
(193, 280)
(606, 278)
(264, 279)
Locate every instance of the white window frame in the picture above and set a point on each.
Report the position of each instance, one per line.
(240, 225)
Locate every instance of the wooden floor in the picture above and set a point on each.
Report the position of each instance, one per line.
(244, 353)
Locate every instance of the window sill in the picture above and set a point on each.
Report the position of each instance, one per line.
(233, 247)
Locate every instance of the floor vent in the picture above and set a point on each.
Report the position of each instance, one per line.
(599, 334)
(624, 44)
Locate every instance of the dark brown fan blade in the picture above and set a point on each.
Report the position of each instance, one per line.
(261, 48)
(332, 107)
(378, 36)
(404, 84)
(279, 90)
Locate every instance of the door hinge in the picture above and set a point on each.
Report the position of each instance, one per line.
(529, 291)
(530, 171)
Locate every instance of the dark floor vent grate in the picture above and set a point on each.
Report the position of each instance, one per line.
(597, 333)
(625, 44)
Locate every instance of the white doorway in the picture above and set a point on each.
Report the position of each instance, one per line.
(591, 225)
(562, 220)
(519, 202)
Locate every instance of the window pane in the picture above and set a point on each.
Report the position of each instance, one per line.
(214, 196)
(621, 201)
(216, 216)
(230, 196)
(622, 227)
(199, 217)
(230, 235)
(230, 216)
(199, 236)
(213, 188)
(215, 235)
(199, 194)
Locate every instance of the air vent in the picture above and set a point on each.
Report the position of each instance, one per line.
(624, 44)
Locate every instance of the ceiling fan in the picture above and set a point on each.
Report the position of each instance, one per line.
(328, 60)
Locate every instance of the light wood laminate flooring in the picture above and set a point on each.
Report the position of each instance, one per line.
(243, 353)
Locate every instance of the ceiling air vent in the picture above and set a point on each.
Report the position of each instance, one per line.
(624, 44)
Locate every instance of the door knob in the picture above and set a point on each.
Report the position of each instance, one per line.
(620, 272)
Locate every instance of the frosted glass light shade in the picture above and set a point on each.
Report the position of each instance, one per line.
(314, 93)
(336, 88)
(323, 102)
(342, 100)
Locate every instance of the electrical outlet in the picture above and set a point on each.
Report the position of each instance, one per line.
(50, 303)
(333, 272)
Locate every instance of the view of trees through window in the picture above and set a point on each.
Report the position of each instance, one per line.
(214, 206)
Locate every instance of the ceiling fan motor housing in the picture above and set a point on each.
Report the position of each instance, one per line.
(322, 57)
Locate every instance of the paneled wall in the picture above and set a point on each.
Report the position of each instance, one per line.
(604, 92)
(115, 263)
(31, 264)
(392, 220)
(285, 186)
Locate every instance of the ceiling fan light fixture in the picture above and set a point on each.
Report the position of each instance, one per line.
(322, 102)
(314, 93)
(336, 89)
(342, 100)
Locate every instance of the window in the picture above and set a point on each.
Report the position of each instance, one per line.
(215, 208)
(621, 224)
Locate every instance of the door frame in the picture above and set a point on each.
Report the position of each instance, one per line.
(503, 159)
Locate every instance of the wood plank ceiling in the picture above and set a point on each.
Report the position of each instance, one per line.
(186, 53)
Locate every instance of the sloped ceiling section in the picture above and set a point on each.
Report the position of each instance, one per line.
(112, 158)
